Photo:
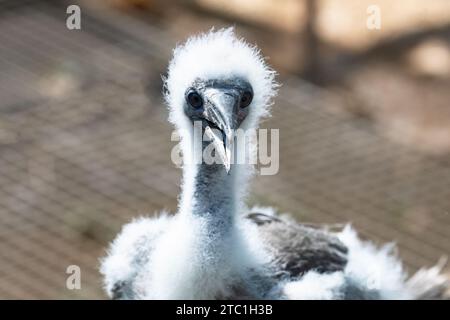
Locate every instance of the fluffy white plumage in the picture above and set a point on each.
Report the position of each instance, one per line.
(375, 268)
(315, 286)
(200, 254)
(135, 238)
(179, 263)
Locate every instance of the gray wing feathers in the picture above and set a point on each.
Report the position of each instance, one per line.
(298, 248)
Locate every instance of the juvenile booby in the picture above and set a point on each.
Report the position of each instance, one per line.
(216, 248)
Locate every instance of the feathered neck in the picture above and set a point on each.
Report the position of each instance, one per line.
(210, 193)
(203, 255)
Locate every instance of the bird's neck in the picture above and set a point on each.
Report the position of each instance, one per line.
(210, 193)
(210, 252)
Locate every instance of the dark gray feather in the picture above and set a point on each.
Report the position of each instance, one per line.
(298, 248)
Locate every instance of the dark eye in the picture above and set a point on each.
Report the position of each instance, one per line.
(246, 99)
(194, 99)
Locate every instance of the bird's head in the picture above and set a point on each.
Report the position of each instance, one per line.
(221, 82)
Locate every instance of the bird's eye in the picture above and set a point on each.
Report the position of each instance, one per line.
(246, 99)
(194, 99)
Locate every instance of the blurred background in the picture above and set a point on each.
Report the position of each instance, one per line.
(364, 119)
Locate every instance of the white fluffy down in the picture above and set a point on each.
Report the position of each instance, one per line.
(186, 266)
(179, 264)
(315, 286)
(374, 268)
(134, 237)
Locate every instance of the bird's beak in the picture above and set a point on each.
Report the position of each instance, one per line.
(222, 145)
(220, 116)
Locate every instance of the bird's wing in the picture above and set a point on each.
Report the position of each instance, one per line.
(298, 248)
(303, 253)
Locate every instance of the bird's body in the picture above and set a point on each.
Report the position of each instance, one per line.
(216, 248)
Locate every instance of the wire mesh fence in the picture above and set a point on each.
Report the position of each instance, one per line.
(85, 147)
